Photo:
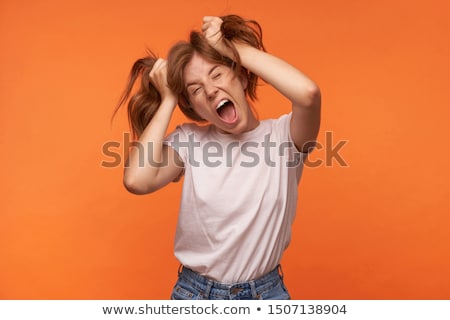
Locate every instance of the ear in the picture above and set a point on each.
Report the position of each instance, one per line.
(244, 80)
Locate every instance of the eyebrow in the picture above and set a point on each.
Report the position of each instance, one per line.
(209, 73)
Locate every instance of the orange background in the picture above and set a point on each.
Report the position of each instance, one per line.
(377, 229)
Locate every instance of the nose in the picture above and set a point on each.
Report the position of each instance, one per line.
(211, 91)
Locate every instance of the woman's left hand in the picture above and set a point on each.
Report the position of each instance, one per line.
(213, 34)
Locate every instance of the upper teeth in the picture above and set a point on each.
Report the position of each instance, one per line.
(221, 103)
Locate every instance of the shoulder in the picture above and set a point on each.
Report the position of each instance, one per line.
(282, 119)
(280, 124)
(190, 128)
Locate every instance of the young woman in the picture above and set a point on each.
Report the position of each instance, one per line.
(240, 174)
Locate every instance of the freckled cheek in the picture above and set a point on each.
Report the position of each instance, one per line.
(201, 109)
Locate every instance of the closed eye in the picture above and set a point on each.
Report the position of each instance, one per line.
(195, 91)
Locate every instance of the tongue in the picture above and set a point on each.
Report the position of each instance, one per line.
(227, 112)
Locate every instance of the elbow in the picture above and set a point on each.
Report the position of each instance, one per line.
(313, 96)
(137, 187)
(308, 97)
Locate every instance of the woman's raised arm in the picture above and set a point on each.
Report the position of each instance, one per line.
(151, 165)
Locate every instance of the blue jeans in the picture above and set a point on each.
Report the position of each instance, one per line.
(193, 286)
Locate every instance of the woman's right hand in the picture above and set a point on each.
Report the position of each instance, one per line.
(158, 77)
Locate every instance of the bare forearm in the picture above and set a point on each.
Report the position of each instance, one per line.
(303, 93)
(144, 159)
(288, 80)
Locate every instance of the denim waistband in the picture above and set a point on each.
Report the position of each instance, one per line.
(211, 287)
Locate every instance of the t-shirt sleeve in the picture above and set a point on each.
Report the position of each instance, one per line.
(295, 157)
(284, 128)
(178, 140)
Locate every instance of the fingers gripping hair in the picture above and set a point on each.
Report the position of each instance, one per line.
(144, 102)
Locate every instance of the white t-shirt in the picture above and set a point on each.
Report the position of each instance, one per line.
(239, 198)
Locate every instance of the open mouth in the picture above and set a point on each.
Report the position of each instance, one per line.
(226, 110)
